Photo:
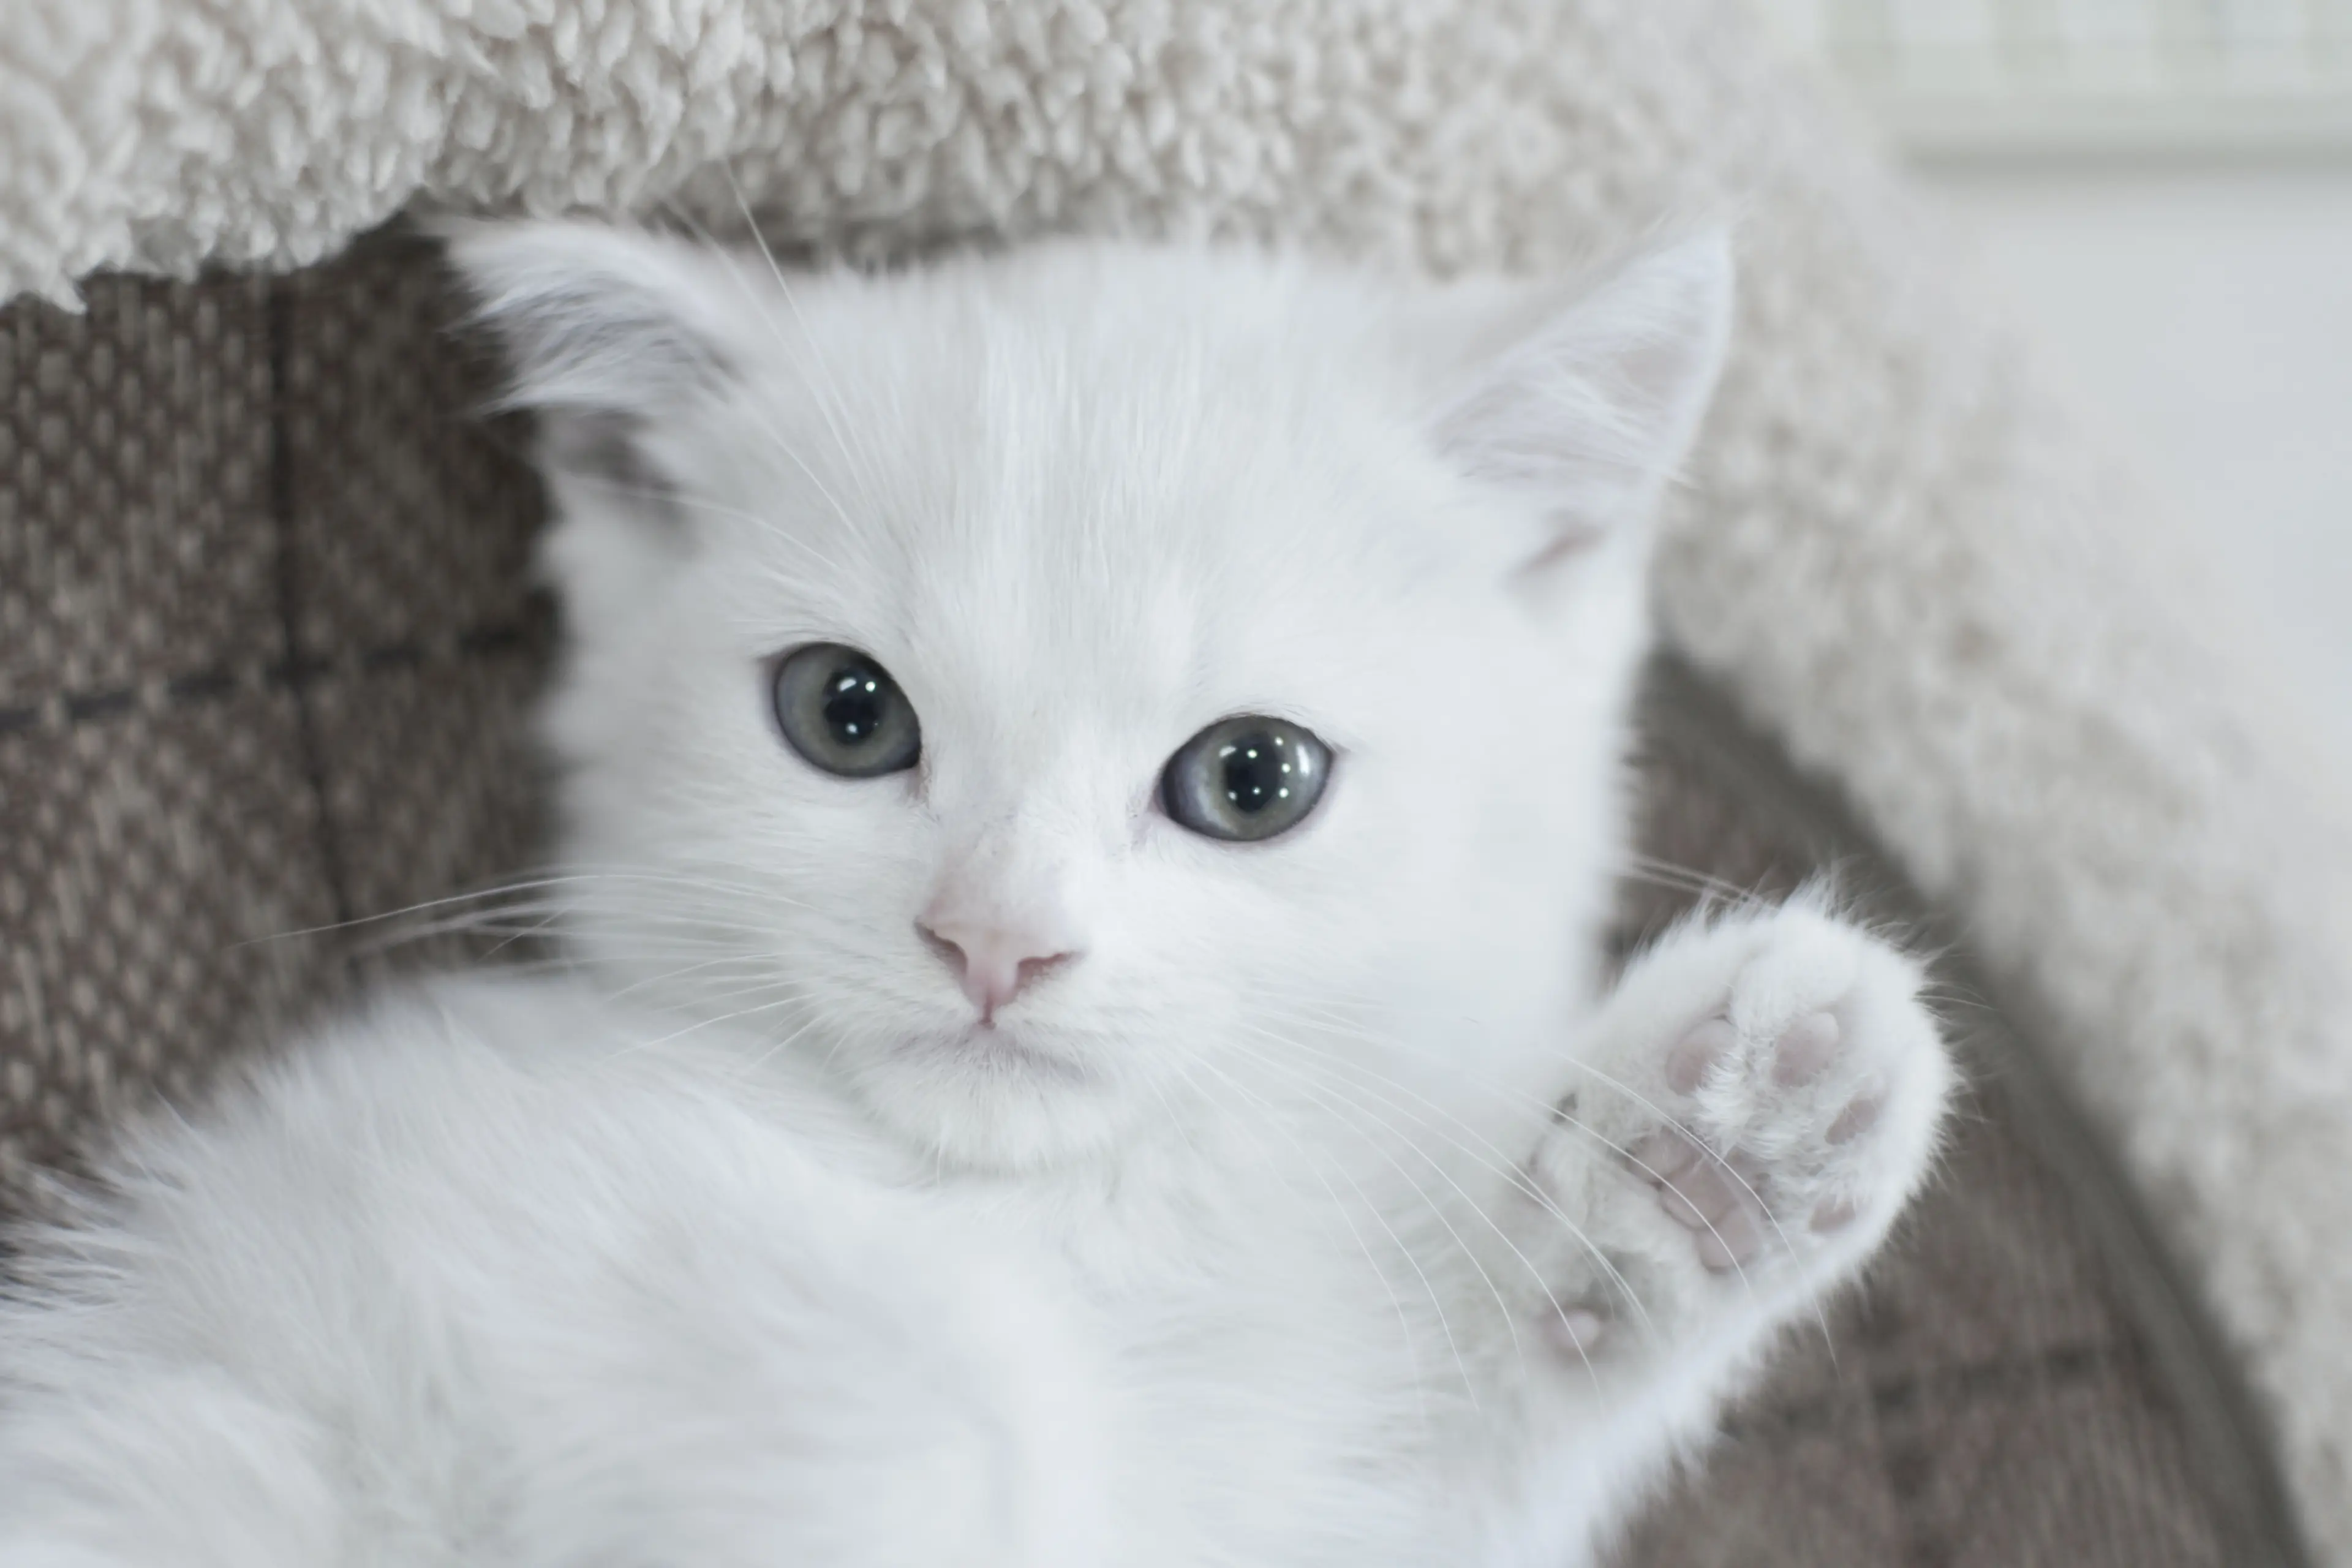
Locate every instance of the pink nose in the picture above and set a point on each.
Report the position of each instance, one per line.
(994, 960)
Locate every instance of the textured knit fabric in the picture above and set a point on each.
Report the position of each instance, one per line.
(1895, 550)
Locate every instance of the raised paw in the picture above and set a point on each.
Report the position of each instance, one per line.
(1800, 1108)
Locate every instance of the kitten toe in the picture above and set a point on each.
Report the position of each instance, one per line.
(1663, 1155)
(1833, 1215)
(1575, 1331)
(1856, 1120)
(1690, 1062)
(1701, 1196)
(1806, 1051)
(1732, 1240)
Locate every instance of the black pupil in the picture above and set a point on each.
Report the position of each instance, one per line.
(1258, 770)
(856, 702)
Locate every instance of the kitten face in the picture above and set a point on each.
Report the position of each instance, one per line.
(1080, 506)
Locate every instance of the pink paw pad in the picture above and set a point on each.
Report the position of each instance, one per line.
(1575, 1331)
(1720, 1196)
(1834, 1215)
(1688, 1064)
(1854, 1120)
(1712, 1196)
(1805, 1052)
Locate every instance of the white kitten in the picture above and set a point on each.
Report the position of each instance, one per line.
(1093, 784)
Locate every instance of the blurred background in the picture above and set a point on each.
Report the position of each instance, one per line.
(2162, 189)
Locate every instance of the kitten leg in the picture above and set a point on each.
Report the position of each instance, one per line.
(1753, 1108)
(1745, 1119)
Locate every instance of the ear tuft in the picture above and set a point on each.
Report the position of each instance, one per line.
(1591, 412)
(612, 323)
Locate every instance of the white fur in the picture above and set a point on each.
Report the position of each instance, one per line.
(1301, 1217)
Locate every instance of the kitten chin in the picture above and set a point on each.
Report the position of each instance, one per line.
(982, 1099)
(998, 1050)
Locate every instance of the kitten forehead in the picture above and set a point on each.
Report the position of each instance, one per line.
(1085, 464)
(1082, 404)
(1166, 479)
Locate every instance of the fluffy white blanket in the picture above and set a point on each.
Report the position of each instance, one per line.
(1895, 550)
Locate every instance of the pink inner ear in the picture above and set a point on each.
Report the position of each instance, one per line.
(1571, 536)
(1589, 414)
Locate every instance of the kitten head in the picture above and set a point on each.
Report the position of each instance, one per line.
(1088, 687)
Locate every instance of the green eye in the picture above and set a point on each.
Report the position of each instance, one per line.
(844, 714)
(1245, 778)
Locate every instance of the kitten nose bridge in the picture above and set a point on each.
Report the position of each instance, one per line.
(996, 939)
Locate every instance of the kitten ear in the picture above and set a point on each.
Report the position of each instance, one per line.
(1587, 406)
(613, 336)
(608, 330)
